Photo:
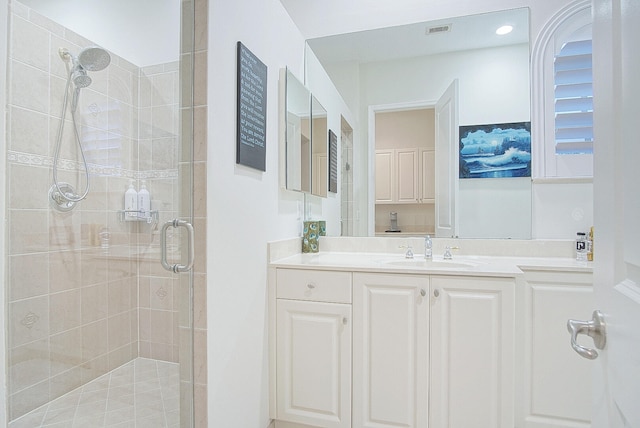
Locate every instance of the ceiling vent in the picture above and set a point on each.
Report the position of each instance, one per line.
(438, 29)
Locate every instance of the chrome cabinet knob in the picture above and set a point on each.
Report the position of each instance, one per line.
(423, 292)
(436, 293)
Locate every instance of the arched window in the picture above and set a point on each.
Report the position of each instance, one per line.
(562, 94)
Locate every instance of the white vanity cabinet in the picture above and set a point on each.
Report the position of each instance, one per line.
(313, 340)
(557, 381)
(472, 352)
(433, 351)
(390, 350)
(371, 347)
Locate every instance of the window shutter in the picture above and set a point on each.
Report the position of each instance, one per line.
(573, 80)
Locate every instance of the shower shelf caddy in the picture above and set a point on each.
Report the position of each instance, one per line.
(151, 218)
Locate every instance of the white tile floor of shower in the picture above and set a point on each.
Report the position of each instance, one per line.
(143, 393)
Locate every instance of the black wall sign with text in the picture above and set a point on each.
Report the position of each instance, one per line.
(252, 110)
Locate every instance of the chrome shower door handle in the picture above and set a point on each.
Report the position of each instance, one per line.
(595, 329)
(176, 268)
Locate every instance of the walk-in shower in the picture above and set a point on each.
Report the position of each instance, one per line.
(62, 196)
(98, 333)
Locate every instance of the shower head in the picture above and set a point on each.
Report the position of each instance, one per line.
(80, 77)
(94, 58)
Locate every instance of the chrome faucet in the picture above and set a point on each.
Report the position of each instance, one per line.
(428, 247)
(447, 253)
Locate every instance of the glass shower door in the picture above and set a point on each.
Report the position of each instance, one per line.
(99, 333)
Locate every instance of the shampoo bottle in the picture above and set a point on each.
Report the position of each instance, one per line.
(144, 202)
(131, 203)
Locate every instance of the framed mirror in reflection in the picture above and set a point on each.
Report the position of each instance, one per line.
(306, 141)
(319, 149)
(409, 67)
(297, 135)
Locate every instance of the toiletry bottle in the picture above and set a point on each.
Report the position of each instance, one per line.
(131, 203)
(581, 247)
(590, 245)
(144, 202)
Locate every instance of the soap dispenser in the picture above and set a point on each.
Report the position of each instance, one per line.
(131, 203)
(144, 202)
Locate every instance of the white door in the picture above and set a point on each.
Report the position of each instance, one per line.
(617, 211)
(447, 148)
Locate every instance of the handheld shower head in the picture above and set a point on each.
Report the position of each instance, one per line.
(80, 77)
(94, 58)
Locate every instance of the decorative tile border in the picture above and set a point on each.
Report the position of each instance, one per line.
(30, 159)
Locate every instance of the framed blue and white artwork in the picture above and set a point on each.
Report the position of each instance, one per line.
(496, 150)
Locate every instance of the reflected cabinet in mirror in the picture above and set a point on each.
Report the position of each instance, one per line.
(409, 114)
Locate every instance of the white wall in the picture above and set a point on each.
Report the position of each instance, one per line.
(246, 208)
(561, 209)
(495, 208)
(494, 83)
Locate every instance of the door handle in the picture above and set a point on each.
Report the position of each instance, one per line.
(176, 268)
(595, 328)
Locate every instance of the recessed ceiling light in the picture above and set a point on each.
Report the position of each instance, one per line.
(505, 29)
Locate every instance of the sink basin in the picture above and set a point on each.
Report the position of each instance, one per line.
(430, 264)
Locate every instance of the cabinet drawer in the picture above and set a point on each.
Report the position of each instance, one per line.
(316, 285)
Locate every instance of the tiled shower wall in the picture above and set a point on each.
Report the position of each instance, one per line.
(79, 304)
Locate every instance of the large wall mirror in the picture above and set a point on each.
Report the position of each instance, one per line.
(397, 70)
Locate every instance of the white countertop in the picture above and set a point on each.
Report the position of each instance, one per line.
(459, 265)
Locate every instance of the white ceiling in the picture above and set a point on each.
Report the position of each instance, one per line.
(467, 32)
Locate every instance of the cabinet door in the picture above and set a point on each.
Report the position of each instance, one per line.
(407, 173)
(391, 338)
(472, 352)
(557, 385)
(313, 363)
(385, 180)
(428, 176)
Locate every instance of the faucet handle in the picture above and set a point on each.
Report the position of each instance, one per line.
(409, 253)
(447, 253)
